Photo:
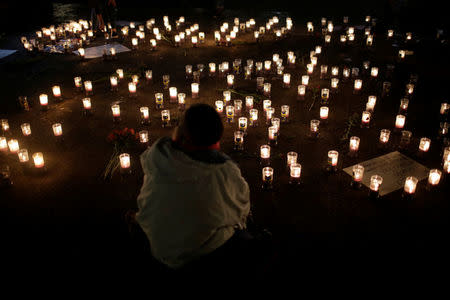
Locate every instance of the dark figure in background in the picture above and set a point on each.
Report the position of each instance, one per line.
(194, 202)
(111, 16)
(95, 7)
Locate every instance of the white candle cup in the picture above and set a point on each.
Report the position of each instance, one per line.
(181, 101)
(374, 72)
(335, 71)
(409, 89)
(253, 117)
(434, 177)
(384, 136)
(5, 125)
(267, 65)
(239, 140)
(125, 162)
(390, 33)
(325, 95)
(267, 177)
(132, 89)
(249, 102)
(310, 68)
(286, 80)
(375, 185)
(229, 113)
(135, 79)
(400, 122)
(78, 83)
(273, 135)
(173, 94)
(333, 157)
(295, 173)
(314, 128)
(305, 80)
(445, 107)
(285, 113)
(38, 159)
(57, 129)
(159, 100)
(143, 137)
(230, 80)
(165, 118)
(346, 73)
(195, 87)
(13, 146)
(401, 54)
(301, 91)
(358, 173)
(357, 86)
(237, 107)
(265, 154)
(424, 145)
(353, 145)
(115, 108)
(266, 104)
(148, 75)
(212, 69)
(410, 185)
(267, 89)
(114, 82)
(23, 156)
(56, 91)
(81, 52)
(88, 87)
(242, 124)
(219, 106)
(291, 158)
(446, 154)
(270, 111)
(145, 115)
(26, 129)
(3, 144)
(371, 101)
(43, 100)
(365, 119)
(446, 167)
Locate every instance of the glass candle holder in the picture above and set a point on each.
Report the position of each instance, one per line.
(270, 111)
(159, 100)
(145, 115)
(166, 81)
(143, 137)
(56, 91)
(295, 173)
(148, 75)
(230, 80)
(358, 173)
(4, 125)
(253, 117)
(323, 113)
(400, 122)
(410, 185)
(375, 184)
(384, 136)
(230, 113)
(285, 113)
(88, 87)
(405, 139)
(424, 144)
(249, 102)
(3, 144)
(43, 100)
(305, 80)
(286, 80)
(265, 154)
(132, 89)
(446, 154)
(301, 91)
(335, 71)
(13, 146)
(409, 89)
(346, 73)
(354, 144)
(267, 177)
(374, 72)
(333, 157)
(237, 107)
(181, 100)
(239, 140)
(219, 106)
(434, 177)
(314, 128)
(365, 119)
(125, 162)
(443, 129)
(266, 89)
(165, 118)
(273, 135)
(266, 104)
(78, 82)
(267, 65)
(212, 69)
(195, 87)
(291, 158)
(446, 167)
(173, 94)
(371, 101)
(23, 156)
(357, 85)
(115, 108)
(259, 83)
(309, 68)
(57, 129)
(26, 129)
(445, 107)
(334, 84)
(38, 159)
(242, 124)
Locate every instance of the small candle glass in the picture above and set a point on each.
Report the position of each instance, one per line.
(323, 71)
(212, 68)
(410, 186)
(230, 80)
(305, 80)
(424, 144)
(113, 81)
(333, 156)
(285, 113)
(273, 135)
(253, 117)
(57, 129)
(291, 158)
(88, 87)
(145, 115)
(314, 128)
(374, 187)
(239, 140)
(295, 172)
(434, 177)
(219, 106)
(301, 91)
(26, 129)
(371, 101)
(3, 144)
(266, 104)
(259, 83)
(115, 108)
(335, 71)
(400, 122)
(243, 124)
(38, 159)
(286, 80)
(354, 144)
(237, 107)
(365, 119)
(357, 85)
(125, 162)
(266, 89)
(159, 100)
(270, 111)
(78, 82)
(5, 125)
(166, 81)
(23, 156)
(346, 73)
(132, 89)
(165, 118)
(230, 113)
(334, 84)
(56, 91)
(43, 100)
(173, 93)
(149, 75)
(374, 72)
(358, 173)
(324, 113)
(267, 177)
(265, 154)
(143, 136)
(384, 136)
(249, 102)
(13, 146)
(181, 101)
(445, 107)
(195, 87)
(325, 95)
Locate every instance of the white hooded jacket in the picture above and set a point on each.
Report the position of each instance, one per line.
(188, 208)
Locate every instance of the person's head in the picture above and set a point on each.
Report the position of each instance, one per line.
(200, 127)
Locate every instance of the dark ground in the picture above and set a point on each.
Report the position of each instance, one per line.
(71, 214)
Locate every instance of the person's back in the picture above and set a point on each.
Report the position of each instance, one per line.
(193, 197)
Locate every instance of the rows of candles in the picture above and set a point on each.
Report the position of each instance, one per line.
(258, 69)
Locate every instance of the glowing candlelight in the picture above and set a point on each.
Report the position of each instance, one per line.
(132, 88)
(333, 156)
(159, 99)
(5, 125)
(125, 162)
(3, 144)
(230, 80)
(434, 177)
(291, 158)
(238, 107)
(57, 129)
(324, 112)
(309, 69)
(43, 100)
(253, 117)
(265, 152)
(181, 99)
(286, 80)
(249, 102)
(165, 117)
(365, 119)
(267, 88)
(346, 72)
(447, 167)
(358, 173)
(166, 81)
(310, 27)
(230, 113)
(267, 177)
(301, 91)
(239, 140)
(120, 73)
(266, 104)
(135, 79)
(400, 121)
(173, 93)
(115, 108)
(243, 124)
(354, 144)
(212, 68)
(375, 183)
(372, 100)
(325, 94)
(358, 85)
(78, 82)
(327, 38)
(314, 128)
(267, 65)
(402, 54)
(88, 87)
(424, 144)
(38, 159)
(384, 136)
(56, 91)
(195, 89)
(148, 75)
(285, 113)
(272, 132)
(410, 185)
(445, 107)
(23, 155)
(295, 173)
(194, 40)
(26, 129)
(144, 113)
(226, 96)
(81, 52)
(305, 80)
(13, 146)
(134, 42)
(219, 106)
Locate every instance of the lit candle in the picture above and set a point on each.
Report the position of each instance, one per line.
(434, 177)
(195, 89)
(78, 82)
(333, 156)
(295, 172)
(401, 54)
(23, 155)
(135, 79)
(132, 88)
(249, 102)
(354, 144)
(88, 87)
(324, 112)
(148, 75)
(134, 42)
(327, 38)
(287, 80)
(267, 177)
(159, 99)
(230, 113)
(400, 121)
(57, 129)
(56, 91)
(181, 100)
(357, 85)
(305, 80)
(325, 93)
(143, 136)
(314, 128)
(370, 106)
(410, 185)
(270, 111)
(291, 158)
(390, 33)
(212, 68)
(384, 136)
(114, 81)
(272, 132)
(219, 106)
(285, 113)
(81, 52)
(447, 167)
(334, 71)
(375, 184)
(165, 117)
(346, 72)
(310, 68)
(239, 140)
(115, 108)
(265, 153)
(446, 154)
(5, 125)
(445, 107)
(267, 88)
(409, 89)
(238, 107)
(266, 104)
(243, 124)
(125, 162)
(43, 100)
(120, 73)
(38, 159)
(310, 27)
(253, 117)
(343, 38)
(301, 90)
(267, 65)
(358, 173)
(166, 81)
(374, 72)
(26, 129)
(173, 93)
(194, 40)
(3, 144)
(230, 80)
(365, 119)
(144, 113)
(424, 144)
(13, 146)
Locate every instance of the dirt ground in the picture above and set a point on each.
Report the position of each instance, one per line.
(71, 212)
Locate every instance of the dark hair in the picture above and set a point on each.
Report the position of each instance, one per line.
(202, 124)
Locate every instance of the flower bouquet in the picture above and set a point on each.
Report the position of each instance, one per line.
(122, 141)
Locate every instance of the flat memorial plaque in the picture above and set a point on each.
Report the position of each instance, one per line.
(94, 52)
(394, 167)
